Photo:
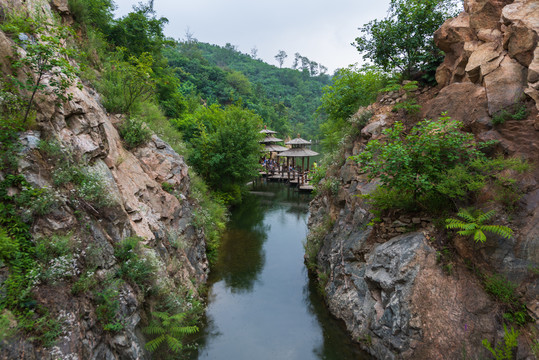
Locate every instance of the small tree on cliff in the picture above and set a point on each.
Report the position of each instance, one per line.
(403, 41)
(415, 166)
(44, 61)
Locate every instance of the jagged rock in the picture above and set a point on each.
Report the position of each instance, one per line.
(505, 85)
(139, 207)
(484, 14)
(520, 43)
(490, 35)
(61, 6)
(7, 52)
(454, 33)
(375, 127)
(468, 104)
(483, 61)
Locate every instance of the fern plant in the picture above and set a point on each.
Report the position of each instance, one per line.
(167, 329)
(473, 225)
(504, 351)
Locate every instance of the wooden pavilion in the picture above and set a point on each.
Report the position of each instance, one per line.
(298, 149)
(270, 145)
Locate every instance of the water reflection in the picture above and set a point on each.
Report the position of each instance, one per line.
(240, 257)
(261, 303)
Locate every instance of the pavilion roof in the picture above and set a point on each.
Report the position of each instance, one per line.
(298, 152)
(298, 141)
(270, 139)
(274, 148)
(266, 131)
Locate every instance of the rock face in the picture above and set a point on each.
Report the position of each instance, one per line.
(493, 44)
(140, 207)
(388, 282)
(394, 297)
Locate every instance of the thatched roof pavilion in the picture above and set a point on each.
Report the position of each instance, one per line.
(298, 150)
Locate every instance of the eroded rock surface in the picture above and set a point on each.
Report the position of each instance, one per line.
(139, 207)
(387, 281)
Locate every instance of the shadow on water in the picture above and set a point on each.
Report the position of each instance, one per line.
(261, 303)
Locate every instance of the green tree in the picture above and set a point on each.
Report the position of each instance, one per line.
(415, 163)
(403, 41)
(225, 146)
(127, 82)
(281, 55)
(45, 56)
(139, 32)
(351, 88)
(96, 13)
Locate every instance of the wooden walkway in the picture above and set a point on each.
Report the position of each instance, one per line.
(292, 177)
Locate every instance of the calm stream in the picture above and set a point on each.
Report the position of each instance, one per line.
(261, 303)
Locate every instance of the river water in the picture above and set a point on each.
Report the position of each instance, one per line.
(261, 302)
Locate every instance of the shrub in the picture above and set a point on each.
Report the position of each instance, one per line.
(133, 267)
(90, 185)
(314, 241)
(154, 118)
(504, 351)
(168, 187)
(413, 164)
(434, 164)
(211, 216)
(108, 306)
(86, 282)
(409, 105)
(127, 83)
(7, 325)
(517, 111)
(505, 292)
(134, 132)
(501, 288)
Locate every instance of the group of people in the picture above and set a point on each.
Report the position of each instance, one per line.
(270, 165)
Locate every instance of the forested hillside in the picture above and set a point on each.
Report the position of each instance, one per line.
(287, 99)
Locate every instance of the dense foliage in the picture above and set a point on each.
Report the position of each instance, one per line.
(285, 98)
(403, 41)
(433, 166)
(225, 147)
(350, 89)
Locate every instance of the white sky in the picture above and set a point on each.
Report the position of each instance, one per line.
(319, 30)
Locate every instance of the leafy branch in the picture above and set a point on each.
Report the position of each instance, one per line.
(167, 329)
(472, 225)
(42, 56)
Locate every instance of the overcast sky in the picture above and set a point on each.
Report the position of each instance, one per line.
(319, 30)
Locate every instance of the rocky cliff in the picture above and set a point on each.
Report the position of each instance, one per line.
(86, 136)
(389, 284)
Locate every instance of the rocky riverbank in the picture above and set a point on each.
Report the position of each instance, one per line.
(391, 280)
